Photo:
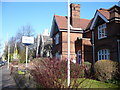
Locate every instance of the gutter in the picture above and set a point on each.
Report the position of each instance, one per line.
(118, 41)
(93, 46)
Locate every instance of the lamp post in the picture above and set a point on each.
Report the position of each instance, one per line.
(68, 43)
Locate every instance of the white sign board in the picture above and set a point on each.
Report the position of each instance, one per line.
(27, 40)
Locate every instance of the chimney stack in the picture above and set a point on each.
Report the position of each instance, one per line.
(74, 14)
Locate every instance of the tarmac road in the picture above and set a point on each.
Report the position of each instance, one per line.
(6, 80)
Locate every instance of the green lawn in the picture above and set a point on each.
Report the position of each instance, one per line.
(89, 83)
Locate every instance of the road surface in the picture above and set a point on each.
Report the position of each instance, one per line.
(6, 80)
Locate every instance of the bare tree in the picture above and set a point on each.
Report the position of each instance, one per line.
(26, 30)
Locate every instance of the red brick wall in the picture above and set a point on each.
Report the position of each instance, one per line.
(86, 49)
(73, 38)
(113, 28)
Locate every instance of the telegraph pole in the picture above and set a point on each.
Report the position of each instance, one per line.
(68, 43)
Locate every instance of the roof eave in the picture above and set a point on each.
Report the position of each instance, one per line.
(52, 29)
(95, 18)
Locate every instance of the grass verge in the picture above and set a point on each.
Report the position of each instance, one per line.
(89, 83)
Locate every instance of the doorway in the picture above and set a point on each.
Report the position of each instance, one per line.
(79, 57)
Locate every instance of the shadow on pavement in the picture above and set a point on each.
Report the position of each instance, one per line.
(10, 88)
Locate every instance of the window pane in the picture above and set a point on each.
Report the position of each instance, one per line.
(105, 51)
(101, 31)
(104, 32)
(102, 57)
(101, 51)
(103, 54)
(99, 57)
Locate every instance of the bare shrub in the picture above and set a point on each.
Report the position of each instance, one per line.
(50, 73)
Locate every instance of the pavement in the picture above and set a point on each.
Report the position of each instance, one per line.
(6, 80)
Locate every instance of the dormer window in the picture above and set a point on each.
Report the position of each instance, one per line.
(57, 39)
(102, 31)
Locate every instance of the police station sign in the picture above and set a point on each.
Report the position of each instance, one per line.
(27, 40)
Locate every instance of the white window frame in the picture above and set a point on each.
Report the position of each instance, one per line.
(104, 54)
(57, 39)
(102, 31)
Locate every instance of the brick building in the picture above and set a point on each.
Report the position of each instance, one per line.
(59, 32)
(91, 40)
(105, 29)
(104, 34)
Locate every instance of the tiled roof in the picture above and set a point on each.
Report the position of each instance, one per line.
(83, 23)
(105, 13)
(88, 26)
(62, 22)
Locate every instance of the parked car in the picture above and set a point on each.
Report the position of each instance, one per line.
(2, 63)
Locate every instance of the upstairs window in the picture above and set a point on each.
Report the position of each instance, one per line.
(57, 39)
(102, 31)
(104, 54)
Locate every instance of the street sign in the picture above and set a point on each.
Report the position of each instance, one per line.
(27, 40)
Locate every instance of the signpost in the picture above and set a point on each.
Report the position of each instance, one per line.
(27, 41)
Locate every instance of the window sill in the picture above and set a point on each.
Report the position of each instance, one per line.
(102, 38)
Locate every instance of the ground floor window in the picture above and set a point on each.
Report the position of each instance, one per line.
(104, 54)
